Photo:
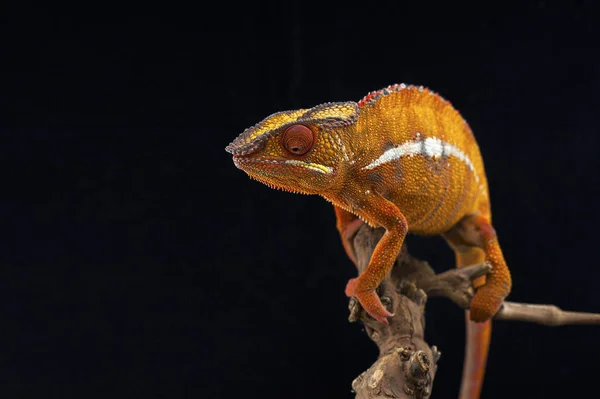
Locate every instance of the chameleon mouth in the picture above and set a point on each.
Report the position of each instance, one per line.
(241, 161)
(254, 165)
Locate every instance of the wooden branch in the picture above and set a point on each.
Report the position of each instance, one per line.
(406, 365)
(549, 315)
(455, 284)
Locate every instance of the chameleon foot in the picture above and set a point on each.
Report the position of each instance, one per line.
(485, 304)
(369, 300)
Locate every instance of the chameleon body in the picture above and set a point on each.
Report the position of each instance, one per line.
(402, 158)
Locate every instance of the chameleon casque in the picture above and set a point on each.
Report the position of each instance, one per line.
(401, 158)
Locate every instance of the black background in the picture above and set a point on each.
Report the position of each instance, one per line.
(137, 261)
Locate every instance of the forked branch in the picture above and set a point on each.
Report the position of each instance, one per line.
(406, 365)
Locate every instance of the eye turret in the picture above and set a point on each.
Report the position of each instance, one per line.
(297, 139)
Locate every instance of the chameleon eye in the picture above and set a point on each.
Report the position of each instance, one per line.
(298, 139)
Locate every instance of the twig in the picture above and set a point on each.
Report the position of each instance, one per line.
(455, 284)
(549, 315)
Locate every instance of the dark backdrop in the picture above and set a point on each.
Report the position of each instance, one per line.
(137, 261)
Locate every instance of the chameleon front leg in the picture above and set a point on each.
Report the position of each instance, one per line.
(379, 211)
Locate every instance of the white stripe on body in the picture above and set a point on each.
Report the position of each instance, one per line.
(430, 147)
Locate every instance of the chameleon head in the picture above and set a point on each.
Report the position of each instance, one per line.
(299, 151)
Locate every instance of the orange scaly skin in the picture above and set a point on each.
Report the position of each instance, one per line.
(402, 158)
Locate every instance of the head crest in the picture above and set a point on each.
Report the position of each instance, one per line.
(327, 116)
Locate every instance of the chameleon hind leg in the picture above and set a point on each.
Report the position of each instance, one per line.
(470, 236)
(473, 240)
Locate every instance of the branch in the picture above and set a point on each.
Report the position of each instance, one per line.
(549, 315)
(407, 364)
(456, 285)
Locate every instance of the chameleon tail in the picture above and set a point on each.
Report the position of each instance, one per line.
(477, 334)
(476, 351)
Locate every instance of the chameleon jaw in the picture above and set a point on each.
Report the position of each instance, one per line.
(263, 170)
(241, 161)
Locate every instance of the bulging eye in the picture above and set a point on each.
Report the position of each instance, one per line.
(298, 139)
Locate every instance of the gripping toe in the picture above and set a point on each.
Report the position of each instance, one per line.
(369, 300)
(485, 304)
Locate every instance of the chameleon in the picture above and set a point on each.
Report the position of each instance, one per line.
(401, 158)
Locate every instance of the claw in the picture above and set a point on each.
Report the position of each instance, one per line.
(383, 319)
(370, 302)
